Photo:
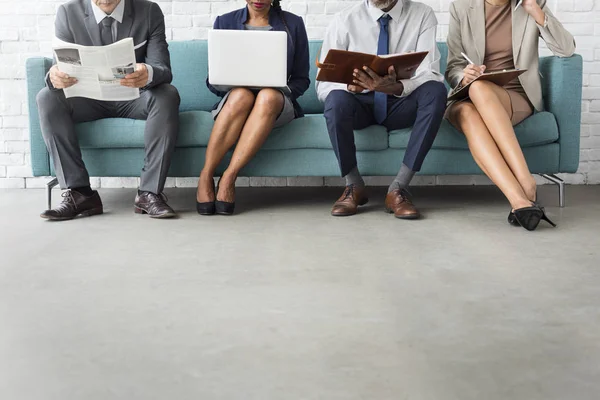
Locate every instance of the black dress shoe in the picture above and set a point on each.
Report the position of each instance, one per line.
(75, 205)
(154, 205)
(530, 217)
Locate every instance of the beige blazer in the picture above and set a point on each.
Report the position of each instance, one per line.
(467, 34)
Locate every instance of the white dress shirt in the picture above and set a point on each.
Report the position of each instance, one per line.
(117, 15)
(412, 27)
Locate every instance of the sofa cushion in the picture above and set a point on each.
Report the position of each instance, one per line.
(309, 132)
(536, 130)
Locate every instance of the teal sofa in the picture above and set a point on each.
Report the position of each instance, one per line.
(114, 147)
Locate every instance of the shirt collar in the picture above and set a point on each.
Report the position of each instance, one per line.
(394, 13)
(117, 14)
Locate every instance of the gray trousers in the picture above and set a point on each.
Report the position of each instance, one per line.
(159, 106)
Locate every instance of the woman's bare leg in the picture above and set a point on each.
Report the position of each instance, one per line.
(225, 133)
(487, 154)
(268, 105)
(494, 106)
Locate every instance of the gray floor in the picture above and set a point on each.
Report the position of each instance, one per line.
(284, 302)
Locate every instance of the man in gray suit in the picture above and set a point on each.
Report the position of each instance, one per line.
(97, 23)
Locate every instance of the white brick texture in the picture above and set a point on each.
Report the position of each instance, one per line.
(26, 28)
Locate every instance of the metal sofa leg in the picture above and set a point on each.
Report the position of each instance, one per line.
(49, 187)
(561, 187)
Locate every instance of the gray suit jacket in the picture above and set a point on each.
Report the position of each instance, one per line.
(143, 21)
(467, 34)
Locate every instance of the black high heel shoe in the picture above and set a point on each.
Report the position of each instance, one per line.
(224, 207)
(511, 215)
(207, 208)
(530, 217)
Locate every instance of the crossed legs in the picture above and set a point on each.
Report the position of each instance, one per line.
(485, 121)
(246, 119)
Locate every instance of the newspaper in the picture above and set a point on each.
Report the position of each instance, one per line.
(98, 69)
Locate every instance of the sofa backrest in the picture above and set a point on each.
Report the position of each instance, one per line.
(189, 60)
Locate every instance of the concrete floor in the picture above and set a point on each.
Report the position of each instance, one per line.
(284, 302)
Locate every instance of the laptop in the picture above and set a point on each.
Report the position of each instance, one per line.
(253, 59)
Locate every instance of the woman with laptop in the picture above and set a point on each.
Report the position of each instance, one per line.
(496, 35)
(245, 117)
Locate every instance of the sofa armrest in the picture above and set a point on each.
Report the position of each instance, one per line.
(37, 67)
(562, 86)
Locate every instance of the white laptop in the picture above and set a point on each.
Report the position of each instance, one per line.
(253, 59)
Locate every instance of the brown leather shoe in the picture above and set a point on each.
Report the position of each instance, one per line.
(348, 203)
(154, 205)
(75, 205)
(399, 203)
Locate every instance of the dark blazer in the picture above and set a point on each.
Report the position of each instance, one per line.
(297, 60)
(143, 21)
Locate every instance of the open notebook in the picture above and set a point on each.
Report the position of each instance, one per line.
(339, 65)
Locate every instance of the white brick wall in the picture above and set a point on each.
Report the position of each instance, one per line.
(26, 28)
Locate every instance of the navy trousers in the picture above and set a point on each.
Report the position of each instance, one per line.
(423, 109)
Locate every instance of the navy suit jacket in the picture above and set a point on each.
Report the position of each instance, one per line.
(298, 66)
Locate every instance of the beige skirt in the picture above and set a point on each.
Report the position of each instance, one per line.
(521, 108)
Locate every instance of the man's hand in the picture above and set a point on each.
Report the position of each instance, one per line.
(367, 79)
(59, 79)
(137, 79)
(472, 72)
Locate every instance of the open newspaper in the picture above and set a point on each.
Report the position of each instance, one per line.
(98, 69)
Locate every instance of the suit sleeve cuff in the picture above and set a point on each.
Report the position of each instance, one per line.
(150, 74)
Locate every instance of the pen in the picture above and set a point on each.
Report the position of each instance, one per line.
(518, 4)
(467, 58)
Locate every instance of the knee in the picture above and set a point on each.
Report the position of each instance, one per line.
(464, 113)
(165, 97)
(436, 92)
(269, 101)
(479, 89)
(49, 102)
(340, 103)
(239, 99)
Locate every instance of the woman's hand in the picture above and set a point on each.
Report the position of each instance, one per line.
(472, 72)
(533, 8)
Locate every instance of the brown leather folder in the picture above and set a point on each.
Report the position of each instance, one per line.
(500, 78)
(339, 65)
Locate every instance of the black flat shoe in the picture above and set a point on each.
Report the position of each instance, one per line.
(530, 217)
(224, 208)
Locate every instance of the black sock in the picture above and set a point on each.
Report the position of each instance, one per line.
(84, 190)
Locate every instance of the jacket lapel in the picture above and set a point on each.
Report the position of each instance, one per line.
(124, 29)
(91, 25)
(519, 24)
(476, 18)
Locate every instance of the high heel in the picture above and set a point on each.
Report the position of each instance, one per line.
(207, 208)
(512, 219)
(530, 217)
(223, 207)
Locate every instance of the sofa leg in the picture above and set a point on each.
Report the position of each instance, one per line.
(561, 187)
(49, 187)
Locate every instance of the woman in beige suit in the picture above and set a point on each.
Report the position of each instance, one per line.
(496, 36)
